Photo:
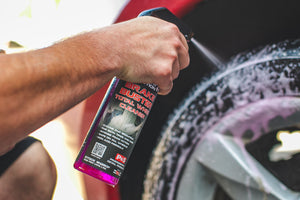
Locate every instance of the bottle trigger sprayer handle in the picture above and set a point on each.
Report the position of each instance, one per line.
(119, 120)
(165, 14)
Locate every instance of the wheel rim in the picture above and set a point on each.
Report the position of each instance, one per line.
(234, 88)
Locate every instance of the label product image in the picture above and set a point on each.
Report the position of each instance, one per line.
(119, 127)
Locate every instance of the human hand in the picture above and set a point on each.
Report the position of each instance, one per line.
(148, 50)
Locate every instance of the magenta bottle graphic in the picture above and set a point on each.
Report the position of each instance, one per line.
(119, 121)
(115, 130)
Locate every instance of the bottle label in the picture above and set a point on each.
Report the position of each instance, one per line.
(119, 127)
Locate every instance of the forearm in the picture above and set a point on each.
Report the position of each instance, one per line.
(37, 86)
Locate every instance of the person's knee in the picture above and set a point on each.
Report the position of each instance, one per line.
(31, 176)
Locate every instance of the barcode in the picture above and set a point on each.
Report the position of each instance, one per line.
(99, 149)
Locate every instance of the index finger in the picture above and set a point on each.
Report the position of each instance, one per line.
(184, 41)
(183, 53)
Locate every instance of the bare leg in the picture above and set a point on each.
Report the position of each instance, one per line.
(31, 177)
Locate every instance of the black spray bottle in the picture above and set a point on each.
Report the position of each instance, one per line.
(119, 120)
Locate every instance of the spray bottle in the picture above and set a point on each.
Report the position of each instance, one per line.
(119, 120)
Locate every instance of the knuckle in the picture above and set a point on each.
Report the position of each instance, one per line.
(175, 48)
(177, 43)
(164, 71)
(163, 75)
(173, 56)
(173, 28)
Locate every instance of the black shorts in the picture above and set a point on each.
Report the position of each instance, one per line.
(7, 159)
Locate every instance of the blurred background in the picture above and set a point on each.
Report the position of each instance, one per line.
(38, 23)
(32, 24)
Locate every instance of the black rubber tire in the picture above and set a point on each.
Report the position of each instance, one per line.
(272, 71)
